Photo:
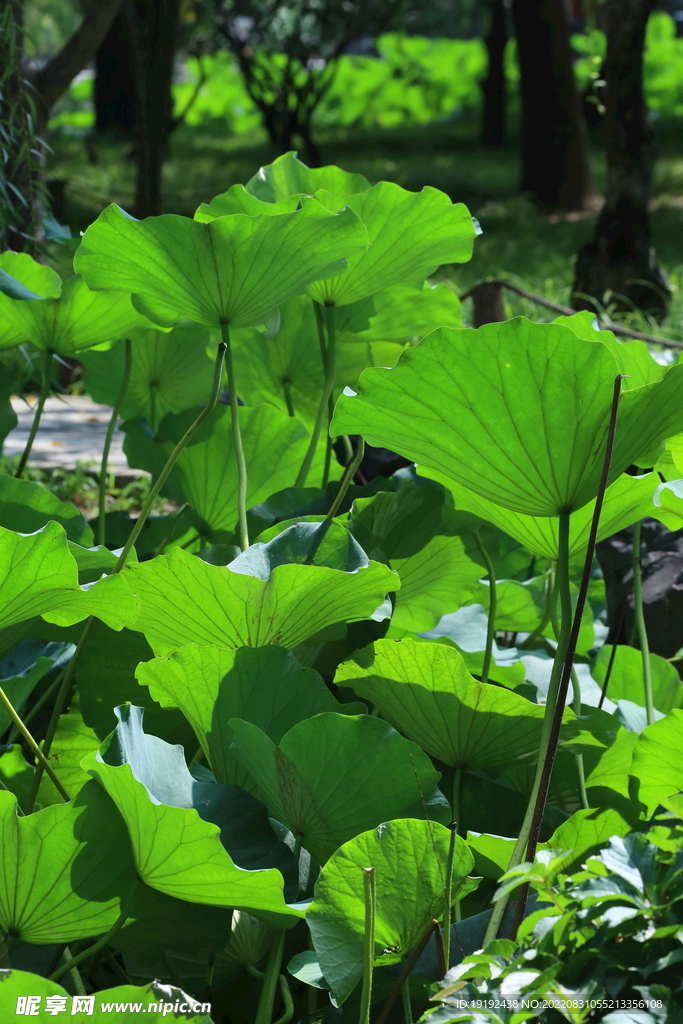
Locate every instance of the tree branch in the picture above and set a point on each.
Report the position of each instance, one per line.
(54, 79)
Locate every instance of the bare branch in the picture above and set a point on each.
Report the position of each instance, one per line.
(54, 79)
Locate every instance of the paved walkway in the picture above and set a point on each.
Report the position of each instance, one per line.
(72, 429)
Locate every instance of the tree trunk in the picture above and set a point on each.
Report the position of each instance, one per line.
(494, 85)
(154, 26)
(114, 92)
(618, 267)
(555, 166)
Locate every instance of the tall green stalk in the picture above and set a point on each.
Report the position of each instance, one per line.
(101, 524)
(640, 622)
(328, 387)
(347, 479)
(576, 688)
(448, 896)
(42, 398)
(120, 564)
(493, 604)
(264, 1013)
(562, 585)
(369, 889)
(237, 442)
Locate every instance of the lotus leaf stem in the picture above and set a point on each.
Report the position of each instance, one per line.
(328, 387)
(153, 394)
(448, 896)
(493, 602)
(407, 1008)
(264, 1013)
(42, 398)
(347, 479)
(370, 894)
(640, 622)
(287, 1000)
(287, 388)
(120, 564)
(237, 443)
(101, 522)
(40, 754)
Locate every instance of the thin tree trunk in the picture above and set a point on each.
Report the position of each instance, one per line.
(619, 266)
(494, 85)
(114, 91)
(555, 165)
(154, 25)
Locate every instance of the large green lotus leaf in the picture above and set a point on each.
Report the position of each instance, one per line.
(288, 176)
(516, 411)
(184, 601)
(425, 691)
(627, 500)
(238, 200)
(235, 270)
(612, 770)
(634, 358)
(39, 279)
(21, 278)
(210, 685)
(518, 609)
(416, 852)
(14, 984)
(22, 670)
(580, 835)
(626, 677)
(176, 850)
(411, 234)
(15, 772)
(77, 320)
(65, 869)
(431, 546)
(656, 769)
(27, 507)
(205, 474)
(175, 363)
(39, 576)
(335, 776)
(263, 365)
(668, 504)
(402, 313)
(73, 741)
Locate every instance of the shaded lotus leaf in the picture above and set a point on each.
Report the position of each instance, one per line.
(107, 673)
(69, 323)
(519, 606)
(23, 669)
(304, 543)
(188, 836)
(288, 176)
(416, 852)
(634, 358)
(334, 776)
(175, 364)
(668, 504)
(627, 500)
(626, 677)
(430, 546)
(516, 411)
(15, 772)
(148, 997)
(183, 600)
(65, 869)
(26, 507)
(211, 686)
(290, 360)
(175, 267)
(656, 770)
(39, 576)
(157, 923)
(205, 475)
(425, 691)
(411, 235)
